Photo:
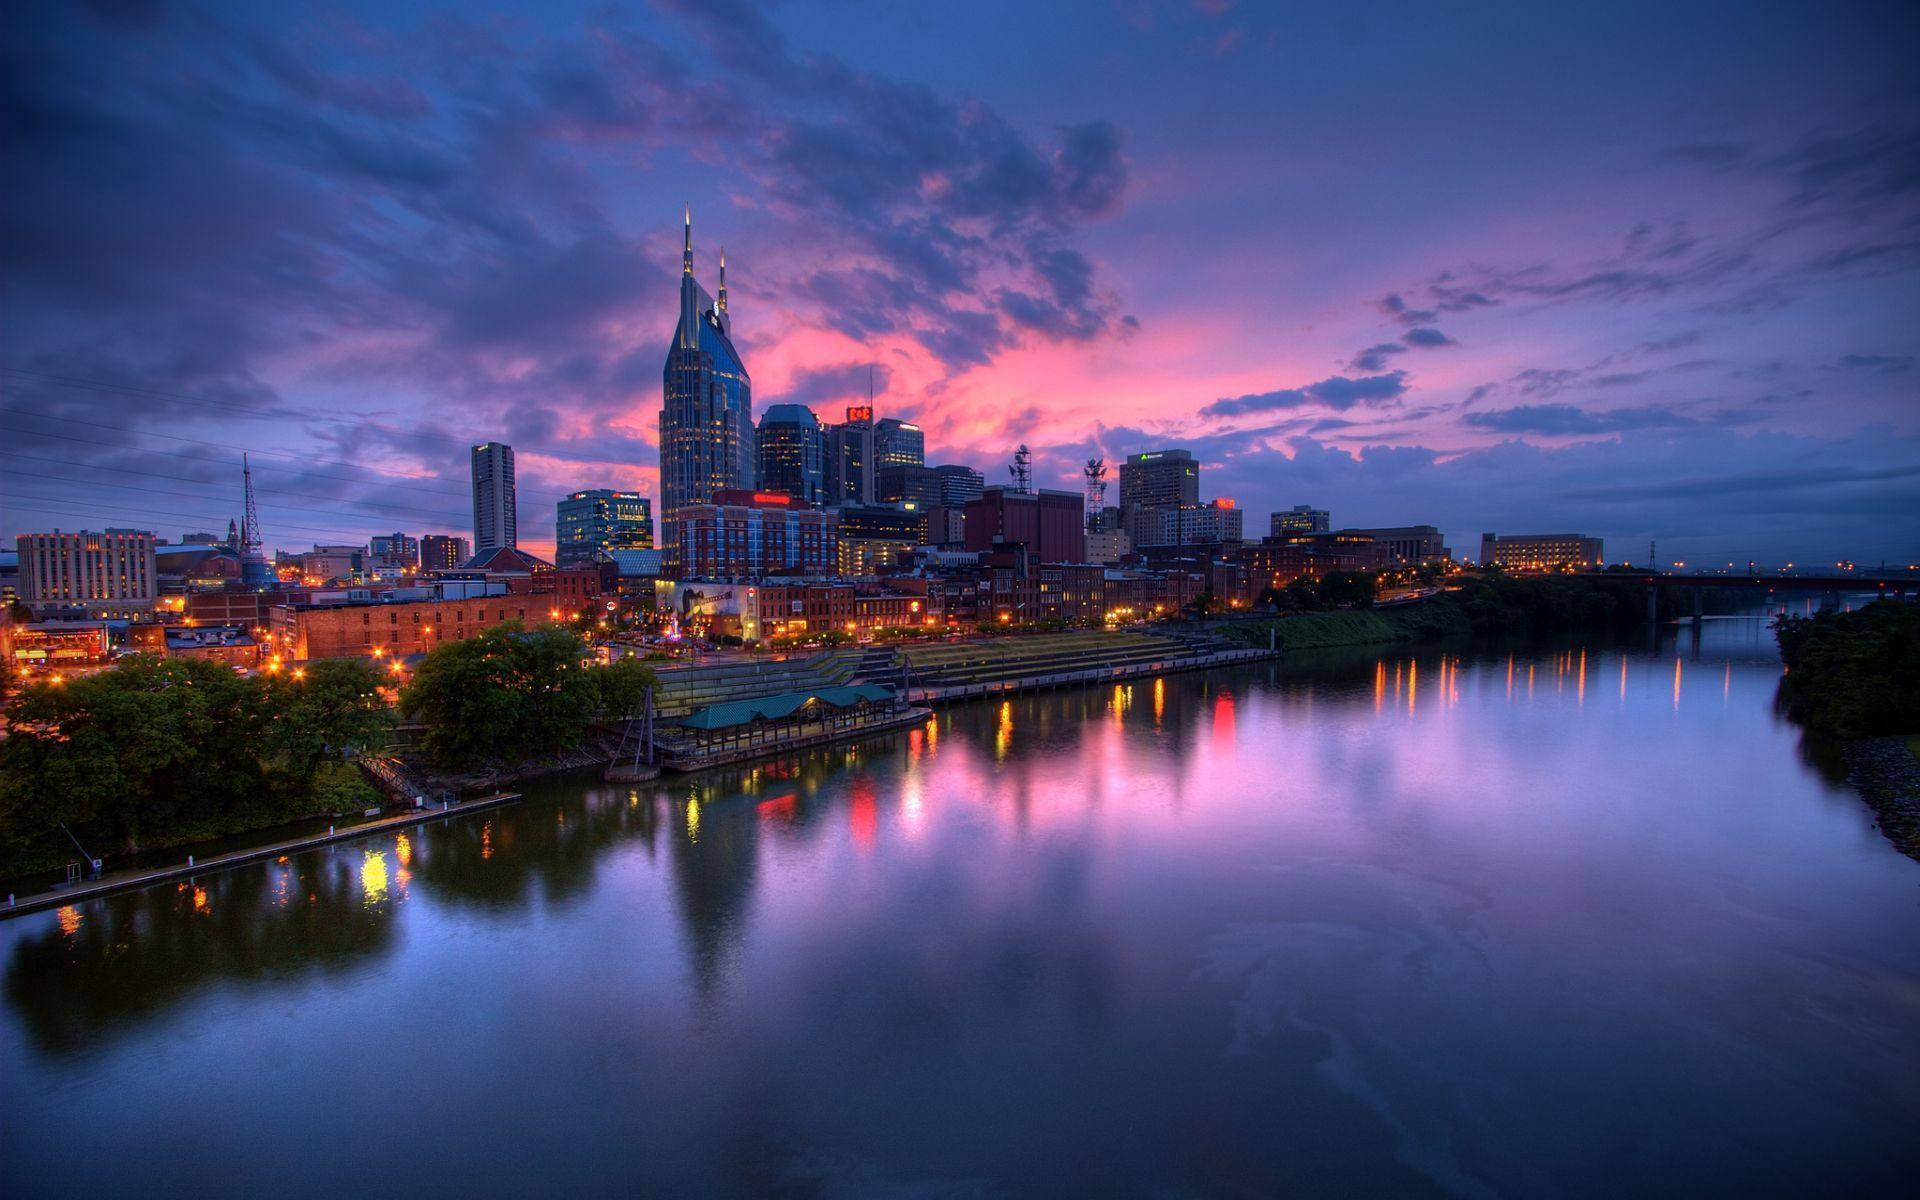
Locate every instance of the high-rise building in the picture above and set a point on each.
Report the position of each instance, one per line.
(1540, 551)
(111, 573)
(792, 449)
(391, 554)
(898, 443)
(1159, 479)
(588, 524)
(1184, 524)
(850, 458)
(439, 552)
(959, 484)
(917, 486)
(1301, 518)
(1048, 523)
(706, 418)
(496, 517)
(875, 536)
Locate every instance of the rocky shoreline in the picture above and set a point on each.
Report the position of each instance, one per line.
(1886, 773)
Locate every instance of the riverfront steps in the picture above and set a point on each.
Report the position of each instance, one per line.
(128, 880)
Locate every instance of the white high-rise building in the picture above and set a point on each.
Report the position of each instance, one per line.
(496, 522)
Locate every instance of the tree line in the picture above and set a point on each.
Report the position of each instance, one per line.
(1853, 674)
(159, 752)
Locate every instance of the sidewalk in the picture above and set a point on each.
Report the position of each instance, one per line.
(127, 880)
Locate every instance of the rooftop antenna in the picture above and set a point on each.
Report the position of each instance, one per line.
(1096, 474)
(1022, 469)
(253, 561)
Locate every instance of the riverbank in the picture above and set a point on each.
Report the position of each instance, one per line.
(120, 881)
(1886, 773)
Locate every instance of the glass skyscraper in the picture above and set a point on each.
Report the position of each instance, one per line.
(898, 443)
(792, 449)
(592, 523)
(706, 420)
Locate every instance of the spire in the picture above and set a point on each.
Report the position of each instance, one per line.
(686, 254)
(720, 302)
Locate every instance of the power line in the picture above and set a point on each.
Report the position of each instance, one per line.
(222, 462)
(298, 458)
(338, 500)
(254, 414)
(134, 487)
(59, 507)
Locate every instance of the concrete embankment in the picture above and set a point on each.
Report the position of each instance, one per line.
(125, 880)
(1080, 677)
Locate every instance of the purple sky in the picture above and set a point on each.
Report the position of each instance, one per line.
(1638, 271)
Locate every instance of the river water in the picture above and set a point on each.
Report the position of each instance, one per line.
(1566, 922)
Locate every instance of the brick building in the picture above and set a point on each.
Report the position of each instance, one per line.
(394, 628)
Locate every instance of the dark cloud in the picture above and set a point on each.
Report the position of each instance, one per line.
(1338, 392)
(1890, 364)
(1374, 357)
(1392, 305)
(849, 382)
(1426, 336)
(1564, 420)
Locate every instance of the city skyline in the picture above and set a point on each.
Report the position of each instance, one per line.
(1685, 314)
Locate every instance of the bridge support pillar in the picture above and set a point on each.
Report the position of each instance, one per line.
(1653, 604)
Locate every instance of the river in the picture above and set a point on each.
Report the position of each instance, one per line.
(1564, 922)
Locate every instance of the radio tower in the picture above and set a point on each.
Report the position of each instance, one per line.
(253, 560)
(1022, 469)
(1096, 473)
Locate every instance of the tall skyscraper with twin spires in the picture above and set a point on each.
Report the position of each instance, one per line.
(706, 420)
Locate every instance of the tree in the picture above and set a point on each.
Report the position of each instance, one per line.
(504, 694)
(623, 685)
(161, 747)
(332, 709)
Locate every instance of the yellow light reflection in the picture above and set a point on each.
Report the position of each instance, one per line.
(1580, 693)
(1676, 684)
(403, 850)
(373, 876)
(1159, 700)
(1623, 678)
(693, 818)
(1413, 680)
(69, 920)
(1003, 734)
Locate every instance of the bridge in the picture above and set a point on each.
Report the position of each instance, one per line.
(1896, 584)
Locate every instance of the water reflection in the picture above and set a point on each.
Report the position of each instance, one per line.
(1384, 922)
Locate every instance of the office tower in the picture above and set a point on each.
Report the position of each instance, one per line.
(439, 552)
(850, 458)
(898, 443)
(1184, 524)
(706, 417)
(917, 486)
(589, 524)
(1301, 518)
(393, 554)
(496, 521)
(792, 449)
(1159, 479)
(959, 484)
(113, 573)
